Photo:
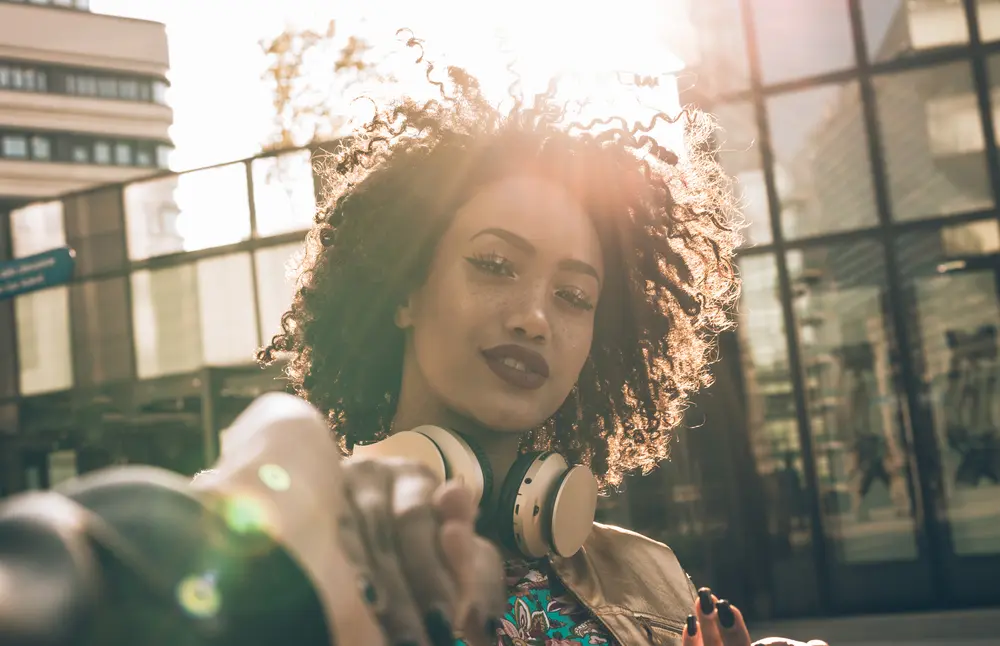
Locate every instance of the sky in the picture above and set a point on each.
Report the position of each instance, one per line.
(222, 109)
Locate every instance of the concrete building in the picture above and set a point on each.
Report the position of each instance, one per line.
(82, 99)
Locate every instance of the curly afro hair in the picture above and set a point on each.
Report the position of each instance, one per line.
(668, 234)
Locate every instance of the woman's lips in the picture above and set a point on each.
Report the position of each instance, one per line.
(517, 365)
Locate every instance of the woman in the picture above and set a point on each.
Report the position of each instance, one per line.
(530, 284)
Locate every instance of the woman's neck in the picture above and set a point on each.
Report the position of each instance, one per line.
(500, 449)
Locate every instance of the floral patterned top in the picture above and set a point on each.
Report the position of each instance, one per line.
(541, 612)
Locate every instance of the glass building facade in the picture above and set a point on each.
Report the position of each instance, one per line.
(846, 460)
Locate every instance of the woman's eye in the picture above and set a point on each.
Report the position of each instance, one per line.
(576, 298)
(492, 264)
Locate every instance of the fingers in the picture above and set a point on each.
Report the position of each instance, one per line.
(692, 635)
(715, 622)
(486, 593)
(419, 548)
(734, 630)
(370, 486)
(707, 617)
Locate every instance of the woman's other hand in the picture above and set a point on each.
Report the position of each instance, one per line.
(432, 578)
(716, 622)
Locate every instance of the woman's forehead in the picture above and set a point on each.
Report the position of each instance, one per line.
(533, 208)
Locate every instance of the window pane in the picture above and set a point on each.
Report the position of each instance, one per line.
(43, 346)
(37, 228)
(102, 347)
(283, 193)
(739, 152)
(102, 152)
(275, 285)
(194, 315)
(15, 146)
(214, 207)
(107, 88)
(901, 27)
(81, 154)
(861, 454)
(933, 142)
(123, 154)
(954, 318)
(151, 216)
(774, 435)
(86, 85)
(799, 39)
(128, 90)
(41, 148)
(822, 169)
(989, 19)
(160, 92)
(226, 298)
(721, 62)
(163, 156)
(166, 321)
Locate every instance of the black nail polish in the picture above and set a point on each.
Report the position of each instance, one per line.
(726, 616)
(692, 626)
(493, 626)
(439, 629)
(705, 598)
(407, 643)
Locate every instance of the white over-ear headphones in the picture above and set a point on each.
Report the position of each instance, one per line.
(545, 505)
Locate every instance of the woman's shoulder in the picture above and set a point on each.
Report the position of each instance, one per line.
(618, 569)
(639, 554)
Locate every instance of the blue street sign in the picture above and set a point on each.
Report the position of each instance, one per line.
(36, 272)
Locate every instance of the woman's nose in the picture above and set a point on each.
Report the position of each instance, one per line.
(530, 321)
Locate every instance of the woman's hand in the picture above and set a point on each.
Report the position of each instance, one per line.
(716, 622)
(432, 578)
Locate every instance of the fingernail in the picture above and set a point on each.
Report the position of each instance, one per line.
(705, 598)
(493, 626)
(692, 625)
(726, 616)
(439, 629)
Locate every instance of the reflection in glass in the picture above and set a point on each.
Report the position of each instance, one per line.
(932, 135)
(283, 193)
(166, 321)
(225, 292)
(989, 19)
(799, 39)
(822, 169)
(721, 60)
(101, 341)
(43, 341)
(196, 210)
(954, 326)
(896, 28)
(194, 315)
(739, 153)
(275, 285)
(772, 421)
(854, 407)
(37, 228)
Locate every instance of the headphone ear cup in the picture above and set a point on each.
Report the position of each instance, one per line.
(507, 501)
(484, 466)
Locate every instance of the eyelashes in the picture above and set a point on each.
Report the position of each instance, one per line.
(497, 265)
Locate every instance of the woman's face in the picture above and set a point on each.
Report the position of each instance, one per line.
(502, 326)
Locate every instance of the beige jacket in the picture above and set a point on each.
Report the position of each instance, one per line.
(633, 585)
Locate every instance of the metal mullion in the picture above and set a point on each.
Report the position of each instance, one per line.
(796, 366)
(981, 76)
(253, 253)
(895, 300)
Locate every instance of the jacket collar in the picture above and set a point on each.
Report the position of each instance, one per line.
(638, 609)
